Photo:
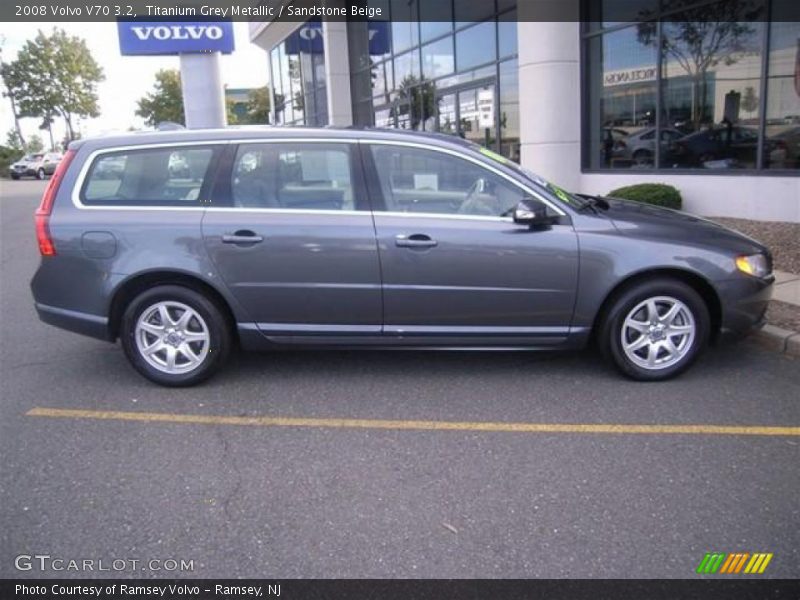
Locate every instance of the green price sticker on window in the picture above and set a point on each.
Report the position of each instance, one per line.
(562, 195)
(494, 156)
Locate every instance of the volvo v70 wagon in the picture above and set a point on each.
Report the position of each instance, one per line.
(294, 237)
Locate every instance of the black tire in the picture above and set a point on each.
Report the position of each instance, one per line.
(610, 336)
(643, 157)
(15, 177)
(40, 174)
(217, 327)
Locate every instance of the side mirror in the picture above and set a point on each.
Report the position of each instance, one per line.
(532, 213)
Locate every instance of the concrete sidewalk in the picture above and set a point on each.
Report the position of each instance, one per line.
(787, 289)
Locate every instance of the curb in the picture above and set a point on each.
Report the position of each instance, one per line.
(778, 339)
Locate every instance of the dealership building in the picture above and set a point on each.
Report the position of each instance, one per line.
(701, 95)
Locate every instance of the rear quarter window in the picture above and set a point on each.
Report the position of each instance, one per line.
(175, 176)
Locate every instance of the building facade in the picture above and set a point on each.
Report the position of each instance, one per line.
(704, 96)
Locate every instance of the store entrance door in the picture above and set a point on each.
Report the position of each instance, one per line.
(470, 112)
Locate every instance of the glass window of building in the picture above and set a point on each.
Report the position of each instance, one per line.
(438, 58)
(476, 45)
(432, 76)
(782, 127)
(696, 86)
(623, 91)
(297, 74)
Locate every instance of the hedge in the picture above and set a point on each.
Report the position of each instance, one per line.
(659, 194)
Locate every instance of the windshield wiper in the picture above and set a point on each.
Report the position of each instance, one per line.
(593, 202)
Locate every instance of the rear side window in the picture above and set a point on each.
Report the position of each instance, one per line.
(311, 176)
(149, 177)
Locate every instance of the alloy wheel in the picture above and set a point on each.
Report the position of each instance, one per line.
(658, 332)
(172, 337)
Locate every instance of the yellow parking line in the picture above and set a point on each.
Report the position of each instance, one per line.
(413, 425)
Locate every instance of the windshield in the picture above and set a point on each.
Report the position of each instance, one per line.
(31, 157)
(563, 195)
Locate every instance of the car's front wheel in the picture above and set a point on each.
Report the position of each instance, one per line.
(175, 336)
(40, 174)
(655, 330)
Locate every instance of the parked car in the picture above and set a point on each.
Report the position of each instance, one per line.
(37, 165)
(640, 146)
(297, 238)
(613, 139)
(784, 152)
(730, 147)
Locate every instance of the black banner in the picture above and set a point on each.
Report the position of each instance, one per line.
(366, 589)
(300, 11)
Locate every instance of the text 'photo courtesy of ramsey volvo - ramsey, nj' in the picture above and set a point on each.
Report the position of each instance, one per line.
(184, 244)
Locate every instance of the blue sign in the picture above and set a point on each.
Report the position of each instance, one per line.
(308, 39)
(146, 37)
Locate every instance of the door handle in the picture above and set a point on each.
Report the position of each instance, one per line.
(244, 236)
(416, 240)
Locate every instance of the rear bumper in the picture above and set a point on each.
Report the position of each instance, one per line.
(72, 320)
(744, 304)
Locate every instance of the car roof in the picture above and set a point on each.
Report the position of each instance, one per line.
(178, 136)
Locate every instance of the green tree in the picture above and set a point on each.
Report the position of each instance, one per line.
(14, 142)
(749, 100)
(34, 144)
(416, 98)
(258, 105)
(55, 75)
(165, 102)
(230, 113)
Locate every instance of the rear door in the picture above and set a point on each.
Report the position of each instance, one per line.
(293, 239)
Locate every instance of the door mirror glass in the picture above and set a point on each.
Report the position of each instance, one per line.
(530, 212)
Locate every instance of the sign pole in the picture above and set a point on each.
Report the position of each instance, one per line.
(199, 45)
(203, 93)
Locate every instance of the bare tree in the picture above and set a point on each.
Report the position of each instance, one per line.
(701, 38)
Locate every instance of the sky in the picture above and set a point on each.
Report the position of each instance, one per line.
(128, 78)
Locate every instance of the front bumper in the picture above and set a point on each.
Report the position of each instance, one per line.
(744, 303)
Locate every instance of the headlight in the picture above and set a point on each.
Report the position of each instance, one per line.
(755, 265)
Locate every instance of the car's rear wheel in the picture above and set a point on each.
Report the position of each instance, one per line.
(175, 336)
(15, 176)
(40, 174)
(643, 157)
(655, 330)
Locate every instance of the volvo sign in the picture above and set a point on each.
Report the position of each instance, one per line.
(180, 37)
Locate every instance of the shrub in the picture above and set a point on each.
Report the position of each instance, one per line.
(659, 194)
(8, 156)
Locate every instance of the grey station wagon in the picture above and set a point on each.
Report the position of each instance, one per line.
(292, 237)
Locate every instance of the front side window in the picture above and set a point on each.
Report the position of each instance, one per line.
(154, 176)
(293, 176)
(414, 180)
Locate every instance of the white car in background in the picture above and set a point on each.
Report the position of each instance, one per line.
(38, 165)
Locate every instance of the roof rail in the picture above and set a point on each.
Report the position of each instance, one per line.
(169, 126)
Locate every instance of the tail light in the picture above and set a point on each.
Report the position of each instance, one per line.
(42, 215)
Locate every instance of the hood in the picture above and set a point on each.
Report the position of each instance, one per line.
(639, 219)
(25, 163)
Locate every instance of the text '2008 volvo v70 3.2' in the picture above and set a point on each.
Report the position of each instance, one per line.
(183, 244)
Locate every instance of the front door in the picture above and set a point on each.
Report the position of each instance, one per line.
(453, 261)
(296, 245)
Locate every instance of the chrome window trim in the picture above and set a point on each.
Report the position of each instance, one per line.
(82, 174)
(473, 160)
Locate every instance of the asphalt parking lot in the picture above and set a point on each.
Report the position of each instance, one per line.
(372, 479)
